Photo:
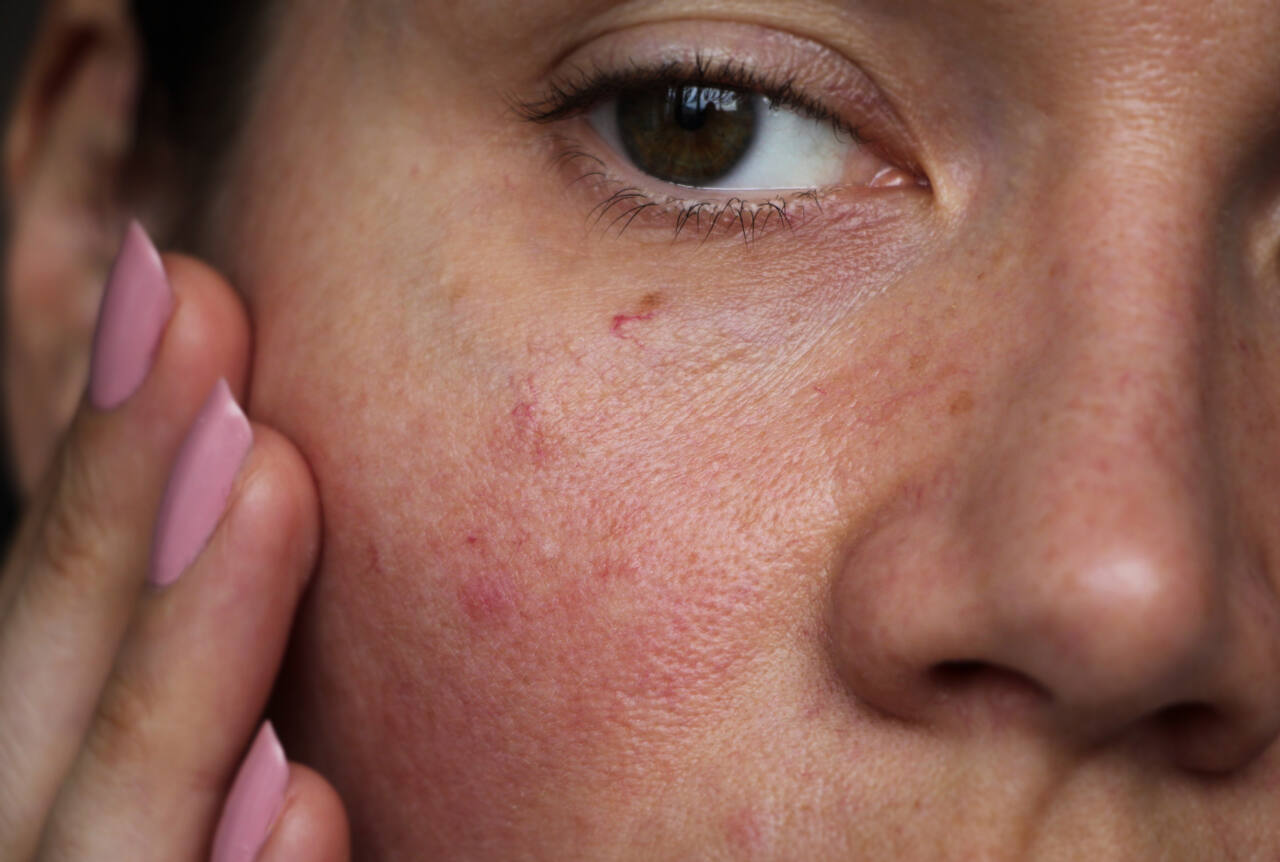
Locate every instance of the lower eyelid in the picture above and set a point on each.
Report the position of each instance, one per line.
(619, 205)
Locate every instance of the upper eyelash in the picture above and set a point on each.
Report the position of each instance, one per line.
(579, 91)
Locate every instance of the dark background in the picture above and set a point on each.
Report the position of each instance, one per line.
(17, 22)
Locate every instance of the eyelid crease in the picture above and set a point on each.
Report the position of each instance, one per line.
(582, 89)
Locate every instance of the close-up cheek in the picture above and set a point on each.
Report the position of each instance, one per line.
(568, 509)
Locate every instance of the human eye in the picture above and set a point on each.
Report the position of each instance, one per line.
(702, 134)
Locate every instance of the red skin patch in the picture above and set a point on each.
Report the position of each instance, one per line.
(646, 310)
(620, 322)
(489, 598)
(747, 832)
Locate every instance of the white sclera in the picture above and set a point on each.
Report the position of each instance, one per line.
(789, 151)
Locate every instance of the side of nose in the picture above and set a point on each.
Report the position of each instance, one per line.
(1077, 564)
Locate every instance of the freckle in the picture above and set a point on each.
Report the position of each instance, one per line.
(917, 362)
(962, 404)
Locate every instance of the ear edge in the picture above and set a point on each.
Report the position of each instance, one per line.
(72, 39)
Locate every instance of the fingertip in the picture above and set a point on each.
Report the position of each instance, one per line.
(276, 501)
(312, 825)
(208, 335)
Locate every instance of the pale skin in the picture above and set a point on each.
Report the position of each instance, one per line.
(939, 524)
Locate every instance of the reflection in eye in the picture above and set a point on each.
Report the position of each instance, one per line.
(721, 138)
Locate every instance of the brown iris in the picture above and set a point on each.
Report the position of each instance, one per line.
(688, 135)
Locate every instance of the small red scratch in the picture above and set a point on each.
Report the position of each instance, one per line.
(622, 320)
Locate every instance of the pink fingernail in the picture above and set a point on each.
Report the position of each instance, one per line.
(256, 798)
(199, 485)
(136, 305)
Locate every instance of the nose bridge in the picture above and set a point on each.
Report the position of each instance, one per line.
(1096, 516)
(1114, 389)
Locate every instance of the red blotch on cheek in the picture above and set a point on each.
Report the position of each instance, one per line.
(488, 598)
(748, 832)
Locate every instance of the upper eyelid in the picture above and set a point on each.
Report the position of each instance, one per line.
(809, 77)
(582, 89)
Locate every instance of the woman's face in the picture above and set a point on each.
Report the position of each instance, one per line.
(928, 515)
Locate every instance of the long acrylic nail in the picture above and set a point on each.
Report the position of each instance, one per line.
(254, 802)
(136, 304)
(199, 485)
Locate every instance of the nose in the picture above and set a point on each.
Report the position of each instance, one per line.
(1078, 563)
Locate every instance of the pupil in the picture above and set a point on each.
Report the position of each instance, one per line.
(689, 134)
(691, 111)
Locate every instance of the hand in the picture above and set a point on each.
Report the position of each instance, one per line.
(147, 601)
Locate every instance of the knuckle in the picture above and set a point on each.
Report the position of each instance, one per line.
(70, 537)
(123, 725)
(79, 528)
(134, 738)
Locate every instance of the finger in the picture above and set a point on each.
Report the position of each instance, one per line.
(98, 501)
(198, 663)
(74, 574)
(311, 826)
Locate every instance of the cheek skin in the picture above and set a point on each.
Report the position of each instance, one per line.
(555, 612)
(573, 576)
(585, 572)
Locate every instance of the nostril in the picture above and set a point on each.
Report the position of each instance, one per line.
(1182, 718)
(1194, 733)
(998, 687)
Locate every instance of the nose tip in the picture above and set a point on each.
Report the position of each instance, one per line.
(1118, 630)
(1124, 633)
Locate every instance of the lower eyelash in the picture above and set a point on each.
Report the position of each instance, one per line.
(624, 205)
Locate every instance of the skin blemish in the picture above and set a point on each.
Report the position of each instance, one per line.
(620, 322)
(962, 404)
(748, 832)
(488, 598)
(646, 310)
(528, 432)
